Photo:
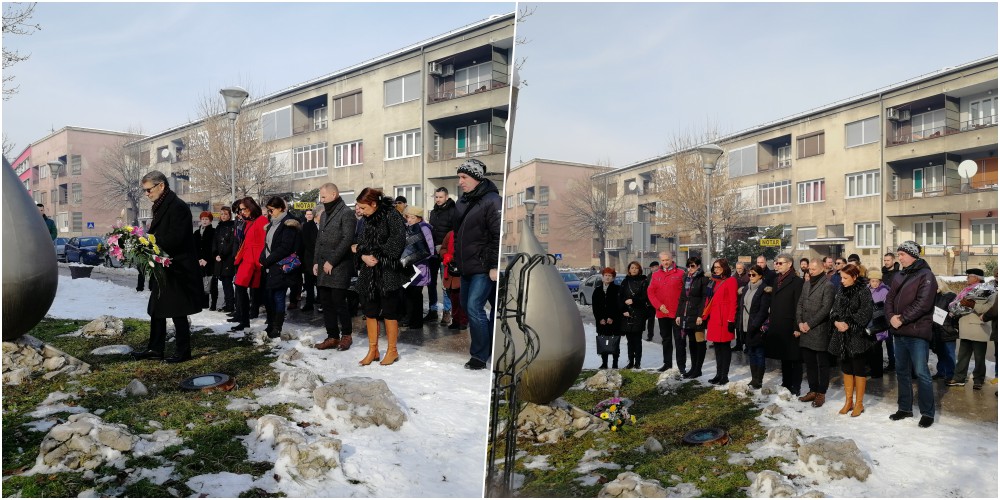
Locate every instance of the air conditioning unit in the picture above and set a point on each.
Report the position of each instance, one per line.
(892, 114)
(435, 68)
(449, 69)
(904, 115)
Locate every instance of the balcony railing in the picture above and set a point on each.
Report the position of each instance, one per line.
(933, 133)
(462, 91)
(486, 149)
(908, 193)
(775, 164)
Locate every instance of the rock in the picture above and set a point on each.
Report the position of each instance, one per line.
(136, 388)
(367, 401)
(669, 381)
(111, 349)
(770, 484)
(306, 460)
(16, 376)
(288, 335)
(683, 490)
(740, 459)
(767, 390)
(834, 457)
(604, 380)
(299, 379)
(771, 409)
(103, 326)
(84, 442)
(739, 389)
(54, 363)
(290, 355)
(652, 445)
(632, 485)
(813, 494)
(552, 422)
(783, 436)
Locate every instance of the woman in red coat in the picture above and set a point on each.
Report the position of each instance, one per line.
(248, 270)
(721, 317)
(453, 284)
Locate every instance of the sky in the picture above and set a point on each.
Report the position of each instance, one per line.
(612, 83)
(120, 65)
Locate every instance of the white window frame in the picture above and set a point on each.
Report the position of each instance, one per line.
(482, 139)
(280, 163)
(412, 78)
(76, 217)
(403, 144)
(412, 192)
(978, 117)
(43, 171)
(800, 238)
(924, 125)
(543, 223)
(869, 133)
(350, 199)
(520, 198)
(784, 156)
(736, 158)
(309, 161)
(807, 189)
(868, 235)
(934, 183)
(510, 201)
(62, 220)
(937, 240)
(319, 118)
(352, 151)
(76, 193)
(270, 118)
(857, 184)
(463, 84)
(777, 195)
(986, 229)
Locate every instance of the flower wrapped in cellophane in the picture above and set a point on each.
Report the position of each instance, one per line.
(133, 247)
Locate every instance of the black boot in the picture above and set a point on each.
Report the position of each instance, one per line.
(157, 341)
(756, 376)
(279, 321)
(614, 363)
(215, 302)
(604, 362)
(637, 360)
(182, 341)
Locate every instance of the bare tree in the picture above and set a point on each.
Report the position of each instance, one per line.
(8, 147)
(209, 150)
(680, 188)
(591, 212)
(120, 172)
(15, 22)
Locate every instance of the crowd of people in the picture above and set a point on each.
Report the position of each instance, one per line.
(382, 249)
(831, 312)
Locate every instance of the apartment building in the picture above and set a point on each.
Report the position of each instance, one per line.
(913, 161)
(61, 170)
(402, 122)
(549, 182)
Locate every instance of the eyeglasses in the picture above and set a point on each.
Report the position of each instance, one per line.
(692, 266)
(150, 189)
(754, 275)
(780, 263)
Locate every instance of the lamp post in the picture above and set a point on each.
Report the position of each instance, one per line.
(234, 96)
(709, 154)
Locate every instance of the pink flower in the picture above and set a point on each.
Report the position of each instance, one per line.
(113, 240)
(166, 262)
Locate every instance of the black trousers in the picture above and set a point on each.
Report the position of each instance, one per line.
(650, 325)
(310, 285)
(698, 350)
(791, 375)
(723, 358)
(874, 358)
(227, 290)
(414, 306)
(634, 340)
(966, 350)
(818, 369)
(158, 335)
(243, 304)
(671, 334)
(434, 266)
(336, 316)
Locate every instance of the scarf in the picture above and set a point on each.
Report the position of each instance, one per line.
(163, 197)
(782, 277)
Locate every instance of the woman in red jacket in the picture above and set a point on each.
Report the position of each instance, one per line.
(453, 284)
(247, 261)
(721, 317)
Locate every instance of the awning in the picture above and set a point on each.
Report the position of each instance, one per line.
(827, 241)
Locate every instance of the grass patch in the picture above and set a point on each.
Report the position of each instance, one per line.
(201, 419)
(668, 419)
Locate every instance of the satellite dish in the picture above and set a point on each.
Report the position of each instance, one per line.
(631, 186)
(967, 169)
(164, 153)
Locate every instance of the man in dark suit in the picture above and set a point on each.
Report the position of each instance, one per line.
(334, 266)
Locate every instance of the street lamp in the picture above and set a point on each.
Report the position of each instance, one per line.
(234, 96)
(709, 154)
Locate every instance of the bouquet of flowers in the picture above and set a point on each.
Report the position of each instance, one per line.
(615, 412)
(132, 246)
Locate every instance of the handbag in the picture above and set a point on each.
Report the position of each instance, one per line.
(453, 270)
(416, 248)
(608, 344)
(290, 263)
(878, 323)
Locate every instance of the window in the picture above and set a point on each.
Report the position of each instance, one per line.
(543, 223)
(806, 234)
(43, 172)
(345, 155)
(277, 124)
(472, 139)
(928, 180)
(280, 163)
(473, 78)
(812, 191)
(862, 132)
(510, 201)
(929, 233)
(743, 161)
(349, 105)
(864, 184)
(868, 235)
(986, 174)
(76, 193)
(775, 196)
(630, 216)
(403, 144)
(983, 112)
(411, 192)
(984, 231)
(62, 220)
(784, 154)
(507, 227)
(520, 198)
(402, 89)
(543, 195)
(54, 197)
(350, 199)
(75, 164)
(927, 125)
(811, 144)
(309, 161)
(520, 226)
(319, 118)
(78, 221)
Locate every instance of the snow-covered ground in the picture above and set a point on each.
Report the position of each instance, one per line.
(955, 457)
(440, 451)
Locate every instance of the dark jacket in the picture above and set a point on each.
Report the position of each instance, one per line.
(814, 310)
(758, 312)
(889, 274)
(310, 231)
(911, 296)
(477, 239)
(443, 219)
(180, 291)
(205, 241)
(991, 316)
(634, 287)
(948, 332)
(852, 305)
(606, 307)
(335, 235)
(284, 242)
(692, 302)
(384, 237)
(223, 246)
(780, 342)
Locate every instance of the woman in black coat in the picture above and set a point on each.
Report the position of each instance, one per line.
(204, 237)
(280, 241)
(780, 341)
(690, 309)
(175, 291)
(223, 251)
(607, 314)
(944, 336)
(634, 306)
(851, 313)
(752, 308)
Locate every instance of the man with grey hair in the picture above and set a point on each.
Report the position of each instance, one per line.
(664, 293)
(334, 266)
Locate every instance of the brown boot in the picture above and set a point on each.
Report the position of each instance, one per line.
(345, 342)
(392, 333)
(329, 343)
(446, 318)
(808, 397)
(849, 391)
(372, 325)
(859, 398)
(820, 399)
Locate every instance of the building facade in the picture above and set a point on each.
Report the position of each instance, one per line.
(913, 161)
(550, 183)
(402, 122)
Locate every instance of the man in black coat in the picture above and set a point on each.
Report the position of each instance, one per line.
(442, 219)
(223, 252)
(309, 232)
(205, 237)
(333, 267)
(780, 341)
(175, 291)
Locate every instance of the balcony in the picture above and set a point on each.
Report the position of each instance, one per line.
(471, 151)
(934, 133)
(775, 164)
(462, 91)
(942, 199)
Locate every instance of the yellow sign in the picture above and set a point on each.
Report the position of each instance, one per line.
(770, 242)
(304, 205)
(744, 258)
(683, 249)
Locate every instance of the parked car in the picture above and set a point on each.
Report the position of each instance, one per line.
(60, 244)
(112, 261)
(572, 282)
(588, 285)
(83, 249)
